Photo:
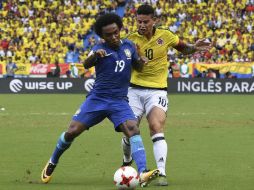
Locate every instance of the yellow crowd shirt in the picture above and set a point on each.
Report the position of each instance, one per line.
(155, 72)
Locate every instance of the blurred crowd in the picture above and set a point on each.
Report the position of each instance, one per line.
(49, 31)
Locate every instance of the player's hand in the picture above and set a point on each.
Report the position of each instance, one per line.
(144, 60)
(100, 53)
(203, 45)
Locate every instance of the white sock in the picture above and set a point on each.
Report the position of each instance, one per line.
(160, 150)
(126, 149)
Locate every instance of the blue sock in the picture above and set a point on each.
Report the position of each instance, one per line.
(61, 146)
(138, 152)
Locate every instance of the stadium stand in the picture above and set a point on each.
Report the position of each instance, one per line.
(41, 32)
(47, 26)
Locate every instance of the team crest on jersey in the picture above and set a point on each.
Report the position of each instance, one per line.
(160, 41)
(127, 53)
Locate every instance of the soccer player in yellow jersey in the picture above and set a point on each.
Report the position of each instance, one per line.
(148, 91)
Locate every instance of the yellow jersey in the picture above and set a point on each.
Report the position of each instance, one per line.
(155, 72)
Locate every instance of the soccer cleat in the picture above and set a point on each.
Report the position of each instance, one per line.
(127, 163)
(46, 173)
(146, 177)
(161, 180)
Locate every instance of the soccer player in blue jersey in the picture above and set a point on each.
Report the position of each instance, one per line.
(113, 61)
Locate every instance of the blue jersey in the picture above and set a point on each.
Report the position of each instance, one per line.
(113, 71)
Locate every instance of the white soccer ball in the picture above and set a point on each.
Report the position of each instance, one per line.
(126, 178)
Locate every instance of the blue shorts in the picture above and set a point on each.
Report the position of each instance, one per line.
(95, 109)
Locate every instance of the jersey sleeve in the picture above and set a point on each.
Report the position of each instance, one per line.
(134, 51)
(172, 39)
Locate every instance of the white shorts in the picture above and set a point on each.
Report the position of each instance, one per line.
(143, 100)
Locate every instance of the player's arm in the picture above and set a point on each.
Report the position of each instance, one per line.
(201, 45)
(139, 63)
(93, 57)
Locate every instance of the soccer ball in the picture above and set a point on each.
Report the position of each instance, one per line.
(126, 178)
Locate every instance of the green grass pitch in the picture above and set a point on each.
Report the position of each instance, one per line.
(210, 138)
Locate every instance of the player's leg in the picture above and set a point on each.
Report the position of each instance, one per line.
(83, 119)
(66, 138)
(138, 154)
(135, 102)
(156, 120)
(131, 131)
(63, 143)
(121, 115)
(156, 107)
(127, 159)
(125, 121)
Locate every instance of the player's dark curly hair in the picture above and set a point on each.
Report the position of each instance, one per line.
(145, 9)
(105, 20)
